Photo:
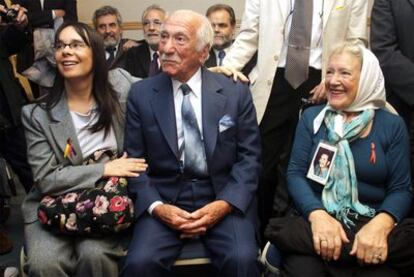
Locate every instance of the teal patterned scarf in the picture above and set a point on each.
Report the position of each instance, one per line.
(340, 195)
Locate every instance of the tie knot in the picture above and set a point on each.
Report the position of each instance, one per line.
(155, 56)
(221, 54)
(110, 49)
(185, 89)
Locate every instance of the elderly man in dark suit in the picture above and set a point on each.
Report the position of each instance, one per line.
(392, 40)
(143, 61)
(198, 132)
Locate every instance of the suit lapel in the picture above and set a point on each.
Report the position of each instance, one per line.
(145, 58)
(412, 2)
(212, 109)
(120, 51)
(39, 5)
(211, 61)
(63, 130)
(327, 8)
(162, 104)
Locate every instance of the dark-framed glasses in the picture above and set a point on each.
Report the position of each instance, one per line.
(73, 45)
(155, 22)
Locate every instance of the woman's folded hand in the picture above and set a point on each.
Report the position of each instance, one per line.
(125, 167)
(370, 244)
(327, 234)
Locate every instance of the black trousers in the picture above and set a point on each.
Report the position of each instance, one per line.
(277, 130)
(310, 266)
(13, 149)
(293, 236)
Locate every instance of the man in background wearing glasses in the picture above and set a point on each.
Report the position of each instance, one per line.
(143, 61)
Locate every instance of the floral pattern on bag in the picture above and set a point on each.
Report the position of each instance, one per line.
(98, 211)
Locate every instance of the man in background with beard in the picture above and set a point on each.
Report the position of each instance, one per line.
(223, 22)
(108, 22)
(143, 61)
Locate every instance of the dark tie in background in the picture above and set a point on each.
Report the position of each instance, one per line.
(153, 68)
(111, 51)
(297, 60)
(195, 164)
(221, 55)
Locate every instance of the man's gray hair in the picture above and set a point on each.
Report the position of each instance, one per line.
(204, 32)
(106, 10)
(152, 8)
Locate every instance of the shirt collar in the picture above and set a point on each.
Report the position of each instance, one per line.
(226, 50)
(152, 53)
(194, 83)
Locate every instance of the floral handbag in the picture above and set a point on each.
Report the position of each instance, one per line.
(98, 211)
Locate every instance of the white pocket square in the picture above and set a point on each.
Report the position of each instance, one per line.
(225, 122)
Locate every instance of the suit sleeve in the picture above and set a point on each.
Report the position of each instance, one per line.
(51, 176)
(37, 17)
(358, 23)
(242, 185)
(71, 11)
(246, 43)
(44, 18)
(397, 68)
(13, 40)
(140, 187)
(398, 197)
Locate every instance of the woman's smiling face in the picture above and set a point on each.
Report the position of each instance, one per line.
(342, 80)
(74, 57)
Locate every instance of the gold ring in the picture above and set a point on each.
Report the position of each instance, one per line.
(377, 258)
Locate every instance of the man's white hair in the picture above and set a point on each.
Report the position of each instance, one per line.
(204, 33)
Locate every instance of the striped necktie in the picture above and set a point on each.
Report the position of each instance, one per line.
(195, 164)
(153, 68)
(297, 59)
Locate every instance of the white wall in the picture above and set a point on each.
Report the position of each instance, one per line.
(131, 10)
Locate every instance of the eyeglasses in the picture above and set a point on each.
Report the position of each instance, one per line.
(155, 22)
(74, 45)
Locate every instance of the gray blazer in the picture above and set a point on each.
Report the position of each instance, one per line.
(46, 140)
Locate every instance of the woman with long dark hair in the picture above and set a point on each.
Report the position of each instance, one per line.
(81, 118)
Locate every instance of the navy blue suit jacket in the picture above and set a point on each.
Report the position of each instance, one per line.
(233, 155)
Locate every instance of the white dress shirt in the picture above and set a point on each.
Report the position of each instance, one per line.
(195, 98)
(216, 53)
(152, 56)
